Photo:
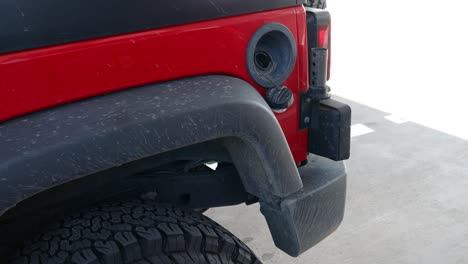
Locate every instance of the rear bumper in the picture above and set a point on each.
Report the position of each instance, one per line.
(303, 219)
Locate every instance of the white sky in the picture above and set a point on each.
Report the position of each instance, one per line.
(404, 57)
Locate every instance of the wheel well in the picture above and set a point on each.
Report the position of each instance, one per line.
(180, 178)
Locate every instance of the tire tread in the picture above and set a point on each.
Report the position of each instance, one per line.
(321, 4)
(135, 232)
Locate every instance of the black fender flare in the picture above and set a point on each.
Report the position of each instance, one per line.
(54, 146)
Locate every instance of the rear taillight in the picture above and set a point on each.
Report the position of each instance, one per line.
(324, 37)
(318, 33)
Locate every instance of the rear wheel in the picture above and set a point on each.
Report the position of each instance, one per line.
(135, 232)
(322, 4)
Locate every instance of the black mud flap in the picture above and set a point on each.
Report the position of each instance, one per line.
(329, 128)
(303, 219)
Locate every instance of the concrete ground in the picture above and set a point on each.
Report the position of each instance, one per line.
(407, 200)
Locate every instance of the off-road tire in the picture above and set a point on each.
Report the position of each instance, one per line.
(322, 4)
(135, 232)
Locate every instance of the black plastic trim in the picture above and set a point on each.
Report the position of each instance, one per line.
(27, 24)
(303, 219)
(331, 136)
(49, 148)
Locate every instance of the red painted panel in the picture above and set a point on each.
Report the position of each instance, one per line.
(42, 78)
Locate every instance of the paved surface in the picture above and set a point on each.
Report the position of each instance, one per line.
(407, 201)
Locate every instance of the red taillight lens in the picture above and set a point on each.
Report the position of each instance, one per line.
(324, 42)
(323, 37)
(318, 31)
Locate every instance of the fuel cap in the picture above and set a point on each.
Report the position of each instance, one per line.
(279, 98)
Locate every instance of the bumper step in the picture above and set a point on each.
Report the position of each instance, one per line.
(303, 219)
